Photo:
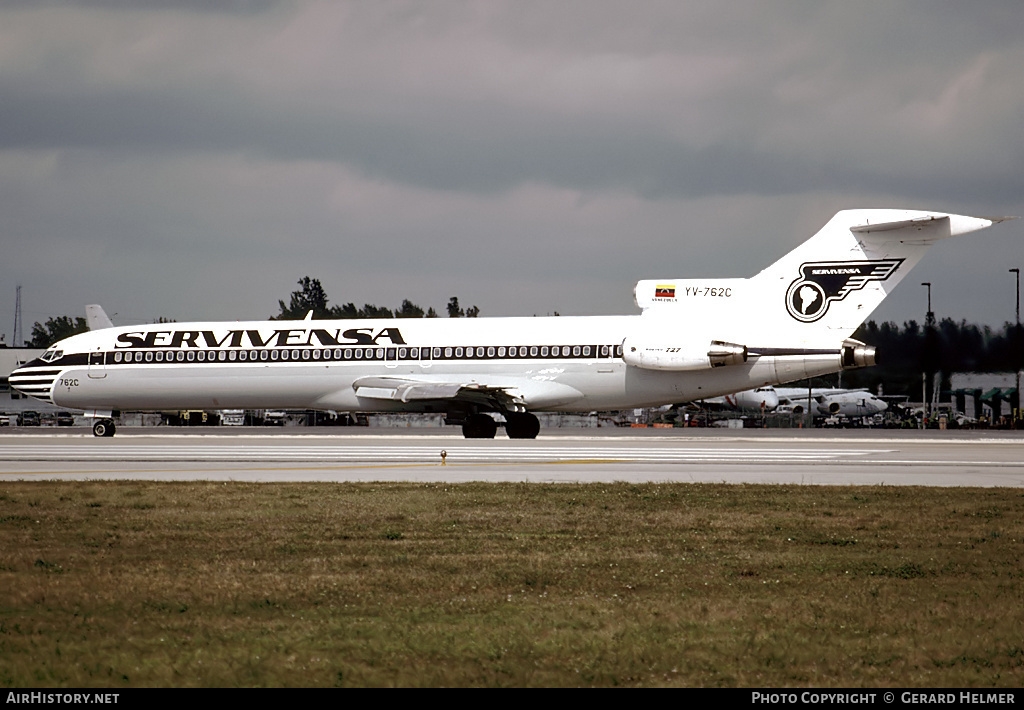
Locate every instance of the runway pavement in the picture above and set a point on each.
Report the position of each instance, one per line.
(812, 457)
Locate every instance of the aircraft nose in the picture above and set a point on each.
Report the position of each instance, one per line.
(18, 374)
(34, 379)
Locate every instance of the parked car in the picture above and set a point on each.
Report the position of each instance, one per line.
(274, 417)
(29, 418)
(65, 419)
(5, 419)
(232, 417)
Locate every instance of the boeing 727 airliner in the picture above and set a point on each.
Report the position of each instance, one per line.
(694, 338)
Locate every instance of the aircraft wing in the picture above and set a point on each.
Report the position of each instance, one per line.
(504, 392)
(801, 392)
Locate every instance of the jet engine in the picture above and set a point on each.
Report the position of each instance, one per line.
(657, 356)
(857, 354)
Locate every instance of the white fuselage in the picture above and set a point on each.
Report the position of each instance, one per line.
(826, 402)
(696, 338)
(756, 401)
(551, 363)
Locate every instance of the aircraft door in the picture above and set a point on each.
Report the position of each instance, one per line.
(426, 357)
(97, 365)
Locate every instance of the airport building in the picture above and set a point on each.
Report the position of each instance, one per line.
(984, 394)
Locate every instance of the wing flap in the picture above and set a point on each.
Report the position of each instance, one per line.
(512, 393)
(402, 390)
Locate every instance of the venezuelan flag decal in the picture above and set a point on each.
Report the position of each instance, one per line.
(665, 291)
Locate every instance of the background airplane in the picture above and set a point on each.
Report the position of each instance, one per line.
(831, 401)
(759, 400)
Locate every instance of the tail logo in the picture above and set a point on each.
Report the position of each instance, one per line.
(822, 282)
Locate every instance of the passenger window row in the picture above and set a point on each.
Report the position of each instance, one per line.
(479, 352)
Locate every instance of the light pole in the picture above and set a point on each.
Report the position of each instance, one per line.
(1017, 343)
(1017, 271)
(929, 319)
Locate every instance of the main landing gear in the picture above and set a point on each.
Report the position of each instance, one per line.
(479, 426)
(103, 427)
(521, 425)
(518, 425)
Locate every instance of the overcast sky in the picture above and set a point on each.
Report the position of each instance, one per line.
(194, 159)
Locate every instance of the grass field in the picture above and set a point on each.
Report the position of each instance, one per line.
(211, 584)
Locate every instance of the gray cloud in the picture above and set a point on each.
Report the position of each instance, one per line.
(243, 7)
(196, 159)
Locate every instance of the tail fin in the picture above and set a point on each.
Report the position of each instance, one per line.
(97, 318)
(818, 294)
(825, 288)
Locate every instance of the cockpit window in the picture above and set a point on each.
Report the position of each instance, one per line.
(51, 355)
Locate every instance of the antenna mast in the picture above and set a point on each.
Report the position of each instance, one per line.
(17, 342)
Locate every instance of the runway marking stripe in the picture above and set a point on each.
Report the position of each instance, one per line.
(85, 452)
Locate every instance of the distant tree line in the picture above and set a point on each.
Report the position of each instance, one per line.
(312, 297)
(55, 329)
(947, 347)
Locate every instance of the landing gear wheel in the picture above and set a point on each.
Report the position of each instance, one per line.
(103, 427)
(479, 426)
(522, 425)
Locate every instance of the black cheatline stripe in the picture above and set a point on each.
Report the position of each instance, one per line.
(352, 354)
(73, 359)
(19, 382)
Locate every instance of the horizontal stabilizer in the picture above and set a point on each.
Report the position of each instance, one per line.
(929, 227)
(903, 224)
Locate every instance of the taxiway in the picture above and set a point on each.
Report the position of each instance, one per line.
(570, 456)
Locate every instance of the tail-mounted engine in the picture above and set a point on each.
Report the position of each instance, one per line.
(856, 354)
(651, 356)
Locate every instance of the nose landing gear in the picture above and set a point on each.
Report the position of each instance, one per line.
(103, 427)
